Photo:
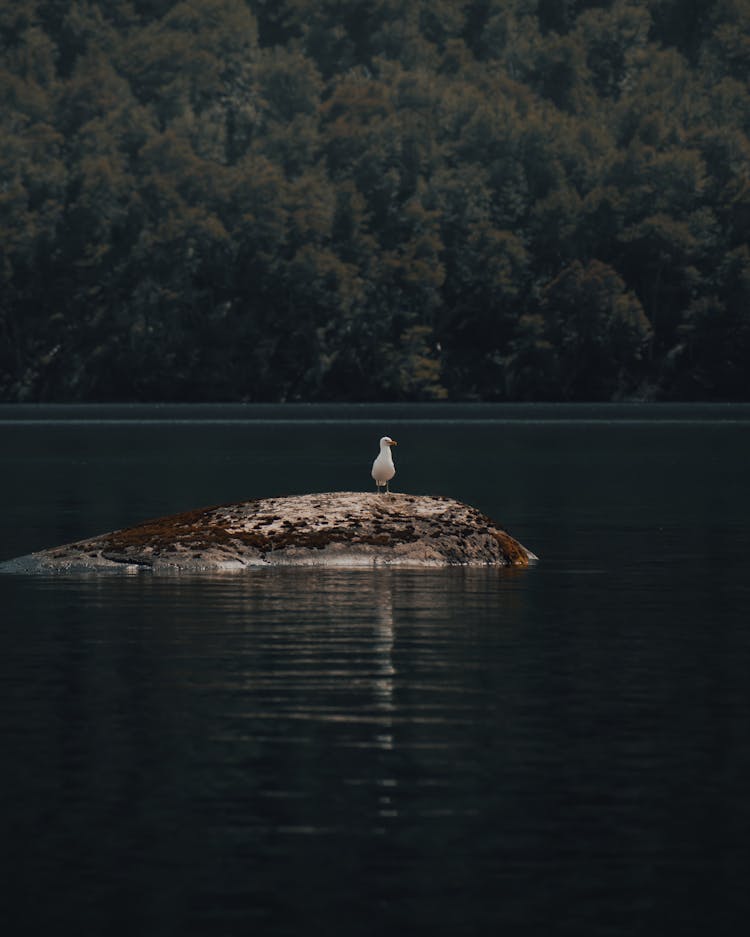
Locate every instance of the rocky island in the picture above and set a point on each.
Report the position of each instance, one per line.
(331, 529)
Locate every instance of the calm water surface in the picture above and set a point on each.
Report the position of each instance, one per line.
(560, 750)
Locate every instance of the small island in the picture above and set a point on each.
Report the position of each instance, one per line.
(332, 529)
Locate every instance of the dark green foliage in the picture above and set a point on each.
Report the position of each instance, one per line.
(374, 199)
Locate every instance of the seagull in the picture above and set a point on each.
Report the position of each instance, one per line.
(383, 468)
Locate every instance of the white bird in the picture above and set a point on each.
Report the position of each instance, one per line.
(383, 468)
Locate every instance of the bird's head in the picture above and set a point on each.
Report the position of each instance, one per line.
(387, 441)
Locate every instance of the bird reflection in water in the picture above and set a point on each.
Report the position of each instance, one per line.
(383, 685)
(385, 672)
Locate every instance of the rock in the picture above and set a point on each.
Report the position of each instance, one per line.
(333, 529)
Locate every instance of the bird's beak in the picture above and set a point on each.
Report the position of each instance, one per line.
(393, 443)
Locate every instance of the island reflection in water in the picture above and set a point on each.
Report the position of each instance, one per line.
(206, 721)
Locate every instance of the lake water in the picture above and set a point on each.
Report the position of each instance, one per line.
(559, 750)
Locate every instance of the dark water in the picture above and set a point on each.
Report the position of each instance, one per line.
(562, 750)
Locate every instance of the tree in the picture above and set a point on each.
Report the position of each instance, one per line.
(599, 331)
(711, 359)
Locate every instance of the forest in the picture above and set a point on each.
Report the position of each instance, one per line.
(375, 200)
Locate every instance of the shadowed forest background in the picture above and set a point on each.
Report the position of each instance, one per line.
(374, 200)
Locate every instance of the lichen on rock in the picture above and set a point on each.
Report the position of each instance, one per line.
(330, 529)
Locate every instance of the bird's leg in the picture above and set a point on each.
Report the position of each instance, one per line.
(387, 489)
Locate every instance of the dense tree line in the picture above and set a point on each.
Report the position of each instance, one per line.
(374, 199)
